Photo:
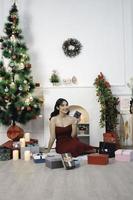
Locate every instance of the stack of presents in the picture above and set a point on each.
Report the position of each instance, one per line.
(110, 148)
(21, 148)
(27, 148)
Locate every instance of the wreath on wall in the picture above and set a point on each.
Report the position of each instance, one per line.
(71, 47)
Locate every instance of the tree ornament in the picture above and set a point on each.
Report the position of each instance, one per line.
(21, 66)
(11, 64)
(26, 87)
(22, 108)
(20, 88)
(14, 57)
(25, 81)
(28, 65)
(18, 108)
(12, 38)
(27, 101)
(29, 108)
(12, 85)
(31, 98)
(72, 47)
(6, 89)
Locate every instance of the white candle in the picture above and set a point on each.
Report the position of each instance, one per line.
(22, 142)
(15, 154)
(27, 137)
(27, 155)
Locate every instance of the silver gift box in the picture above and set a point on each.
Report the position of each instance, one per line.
(54, 161)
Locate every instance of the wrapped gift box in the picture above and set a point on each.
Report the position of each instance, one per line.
(107, 148)
(12, 146)
(33, 149)
(54, 161)
(68, 161)
(124, 155)
(39, 157)
(5, 153)
(32, 142)
(77, 163)
(98, 159)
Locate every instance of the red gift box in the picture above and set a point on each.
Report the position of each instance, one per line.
(98, 159)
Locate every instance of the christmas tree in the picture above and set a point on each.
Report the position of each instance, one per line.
(17, 102)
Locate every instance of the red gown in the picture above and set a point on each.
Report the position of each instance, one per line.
(67, 144)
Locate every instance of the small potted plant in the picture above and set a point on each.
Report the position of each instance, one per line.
(108, 103)
(54, 78)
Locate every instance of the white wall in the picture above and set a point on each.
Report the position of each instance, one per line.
(105, 29)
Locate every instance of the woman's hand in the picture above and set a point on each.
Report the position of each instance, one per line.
(77, 120)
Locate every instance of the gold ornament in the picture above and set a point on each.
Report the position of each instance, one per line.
(12, 85)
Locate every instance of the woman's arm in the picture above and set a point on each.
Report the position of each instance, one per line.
(52, 134)
(74, 127)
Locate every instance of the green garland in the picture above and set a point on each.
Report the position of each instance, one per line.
(72, 47)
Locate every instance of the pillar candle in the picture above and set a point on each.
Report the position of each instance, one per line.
(15, 154)
(27, 155)
(27, 137)
(22, 142)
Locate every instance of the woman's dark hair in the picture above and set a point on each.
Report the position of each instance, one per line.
(57, 104)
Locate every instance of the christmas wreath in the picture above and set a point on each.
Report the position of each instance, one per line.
(71, 47)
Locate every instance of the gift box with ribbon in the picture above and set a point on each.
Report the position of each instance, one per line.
(39, 157)
(5, 153)
(124, 155)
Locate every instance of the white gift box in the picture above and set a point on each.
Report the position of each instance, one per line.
(124, 155)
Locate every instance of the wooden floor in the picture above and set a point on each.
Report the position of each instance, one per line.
(21, 180)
